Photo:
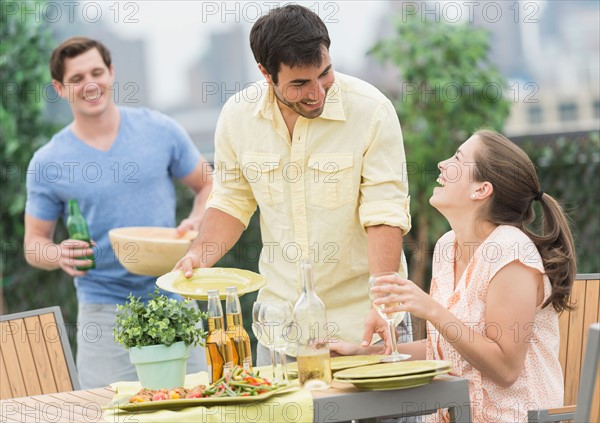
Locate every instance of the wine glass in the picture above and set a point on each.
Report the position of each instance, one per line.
(276, 318)
(259, 333)
(385, 280)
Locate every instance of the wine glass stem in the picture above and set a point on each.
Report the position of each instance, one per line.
(273, 360)
(392, 329)
(282, 360)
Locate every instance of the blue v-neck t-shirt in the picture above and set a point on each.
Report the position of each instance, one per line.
(131, 184)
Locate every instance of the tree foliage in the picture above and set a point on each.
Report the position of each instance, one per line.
(24, 72)
(24, 50)
(569, 170)
(449, 90)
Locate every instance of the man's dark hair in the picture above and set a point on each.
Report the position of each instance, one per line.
(292, 35)
(73, 47)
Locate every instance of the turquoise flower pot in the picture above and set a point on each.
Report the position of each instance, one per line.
(159, 366)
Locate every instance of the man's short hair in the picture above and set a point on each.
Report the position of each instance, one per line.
(73, 47)
(292, 35)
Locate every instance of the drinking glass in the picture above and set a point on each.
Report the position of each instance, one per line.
(259, 333)
(386, 280)
(275, 318)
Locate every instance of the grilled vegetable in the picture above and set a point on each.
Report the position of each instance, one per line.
(236, 382)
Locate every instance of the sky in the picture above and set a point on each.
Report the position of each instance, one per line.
(178, 32)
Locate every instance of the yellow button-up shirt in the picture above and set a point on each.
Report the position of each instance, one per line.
(317, 191)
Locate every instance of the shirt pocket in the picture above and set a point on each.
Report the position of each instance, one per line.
(331, 180)
(263, 173)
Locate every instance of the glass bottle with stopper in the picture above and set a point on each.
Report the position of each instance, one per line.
(312, 349)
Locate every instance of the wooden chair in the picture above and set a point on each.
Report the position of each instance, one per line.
(573, 338)
(589, 378)
(35, 356)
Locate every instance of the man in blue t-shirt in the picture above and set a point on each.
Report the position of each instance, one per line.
(119, 163)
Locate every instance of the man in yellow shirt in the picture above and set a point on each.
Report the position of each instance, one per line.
(321, 154)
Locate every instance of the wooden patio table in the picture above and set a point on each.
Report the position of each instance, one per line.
(342, 402)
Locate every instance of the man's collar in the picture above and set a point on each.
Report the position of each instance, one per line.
(334, 108)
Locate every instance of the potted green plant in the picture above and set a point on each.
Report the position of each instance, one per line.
(158, 335)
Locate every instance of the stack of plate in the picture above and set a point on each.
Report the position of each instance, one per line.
(404, 374)
(341, 363)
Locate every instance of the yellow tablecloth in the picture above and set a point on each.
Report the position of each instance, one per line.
(294, 407)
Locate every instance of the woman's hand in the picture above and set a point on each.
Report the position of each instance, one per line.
(337, 347)
(406, 296)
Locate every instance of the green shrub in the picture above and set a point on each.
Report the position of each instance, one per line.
(162, 320)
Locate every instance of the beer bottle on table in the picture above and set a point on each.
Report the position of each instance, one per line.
(219, 349)
(235, 329)
(312, 350)
(78, 229)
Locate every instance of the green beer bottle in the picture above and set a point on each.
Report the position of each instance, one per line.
(78, 229)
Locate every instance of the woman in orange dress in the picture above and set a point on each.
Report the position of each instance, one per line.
(497, 287)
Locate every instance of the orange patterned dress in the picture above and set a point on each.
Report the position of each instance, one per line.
(540, 384)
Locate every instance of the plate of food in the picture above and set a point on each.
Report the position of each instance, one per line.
(203, 280)
(239, 387)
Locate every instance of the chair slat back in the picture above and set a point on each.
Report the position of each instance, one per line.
(573, 336)
(35, 356)
(588, 387)
(56, 353)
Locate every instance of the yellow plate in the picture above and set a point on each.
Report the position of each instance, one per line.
(396, 382)
(203, 280)
(122, 401)
(387, 370)
(345, 362)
